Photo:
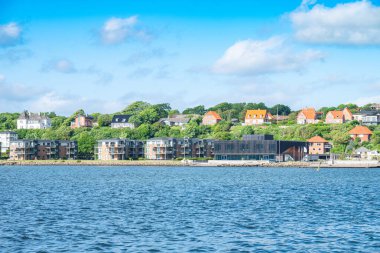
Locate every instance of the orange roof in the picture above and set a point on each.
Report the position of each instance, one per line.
(309, 113)
(213, 114)
(336, 114)
(360, 130)
(347, 111)
(317, 139)
(256, 114)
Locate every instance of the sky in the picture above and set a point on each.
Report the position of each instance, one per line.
(100, 55)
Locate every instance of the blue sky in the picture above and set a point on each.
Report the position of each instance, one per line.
(102, 55)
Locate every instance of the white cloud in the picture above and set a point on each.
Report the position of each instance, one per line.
(356, 23)
(249, 57)
(10, 34)
(367, 100)
(118, 30)
(60, 65)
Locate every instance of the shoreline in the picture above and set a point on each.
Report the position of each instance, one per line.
(171, 163)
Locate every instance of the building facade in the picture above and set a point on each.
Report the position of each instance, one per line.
(5, 140)
(259, 147)
(119, 149)
(211, 118)
(257, 117)
(338, 117)
(42, 150)
(121, 121)
(29, 120)
(318, 146)
(82, 121)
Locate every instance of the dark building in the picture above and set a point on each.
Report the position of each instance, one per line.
(259, 147)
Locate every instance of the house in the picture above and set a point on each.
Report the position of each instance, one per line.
(307, 116)
(28, 120)
(211, 118)
(42, 149)
(121, 121)
(257, 117)
(339, 117)
(259, 147)
(119, 149)
(172, 148)
(368, 117)
(318, 146)
(5, 139)
(365, 153)
(175, 120)
(82, 121)
(361, 132)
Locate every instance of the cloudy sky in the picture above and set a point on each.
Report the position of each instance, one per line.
(101, 55)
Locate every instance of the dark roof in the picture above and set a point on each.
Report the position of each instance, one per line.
(368, 113)
(120, 118)
(8, 132)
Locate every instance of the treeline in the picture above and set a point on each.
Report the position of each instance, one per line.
(146, 116)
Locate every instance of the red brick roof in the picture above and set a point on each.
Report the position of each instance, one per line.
(309, 113)
(256, 114)
(360, 130)
(317, 139)
(336, 114)
(213, 114)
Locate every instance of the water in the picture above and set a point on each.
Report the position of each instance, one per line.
(158, 209)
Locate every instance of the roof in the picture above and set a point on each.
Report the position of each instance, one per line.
(254, 114)
(362, 150)
(360, 130)
(176, 120)
(32, 116)
(309, 113)
(8, 132)
(317, 139)
(336, 114)
(213, 114)
(347, 110)
(367, 113)
(120, 118)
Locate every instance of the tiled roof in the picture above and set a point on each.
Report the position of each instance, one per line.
(309, 113)
(336, 114)
(120, 118)
(213, 114)
(317, 139)
(360, 130)
(256, 114)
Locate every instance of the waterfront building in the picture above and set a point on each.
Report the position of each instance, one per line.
(166, 148)
(5, 139)
(121, 121)
(257, 117)
(82, 121)
(42, 149)
(361, 132)
(307, 116)
(259, 147)
(28, 120)
(119, 149)
(211, 118)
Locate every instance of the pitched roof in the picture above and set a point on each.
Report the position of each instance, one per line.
(213, 114)
(256, 114)
(336, 114)
(362, 150)
(317, 139)
(347, 110)
(360, 130)
(182, 120)
(32, 116)
(120, 118)
(309, 113)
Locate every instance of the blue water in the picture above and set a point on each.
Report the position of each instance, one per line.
(158, 209)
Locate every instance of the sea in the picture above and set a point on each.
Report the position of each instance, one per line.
(188, 209)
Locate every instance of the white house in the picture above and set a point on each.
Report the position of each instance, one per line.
(5, 139)
(121, 121)
(29, 120)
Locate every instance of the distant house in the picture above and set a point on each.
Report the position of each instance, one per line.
(257, 117)
(307, 116)
(338, 117)
(318, 146)
(121, 121)
(28, 120)
(361, 132)
(82, 121)
(365, 153)
(5, 140)
(176, 120)
(368, 117)
(211, 118)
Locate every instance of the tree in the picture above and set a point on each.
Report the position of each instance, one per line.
(135, 108)
(281, 109)
(200, 109)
